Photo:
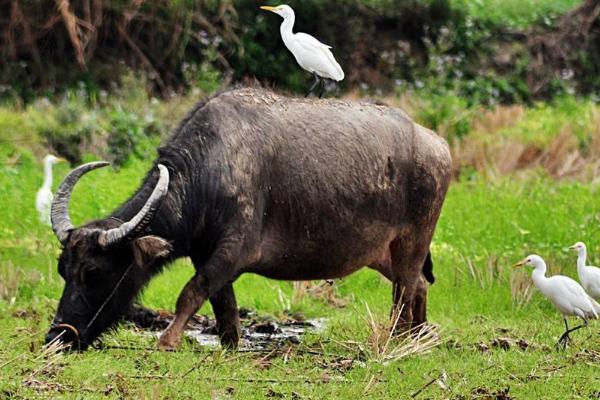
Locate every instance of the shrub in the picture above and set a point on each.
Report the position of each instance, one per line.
(128, 134)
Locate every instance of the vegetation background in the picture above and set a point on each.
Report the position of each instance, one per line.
(512, 85)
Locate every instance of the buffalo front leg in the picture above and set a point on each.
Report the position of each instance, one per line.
(190, 300)
(228, 318)
(211, 278)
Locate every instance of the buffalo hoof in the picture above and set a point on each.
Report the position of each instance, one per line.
(230, 342)
(168, 341)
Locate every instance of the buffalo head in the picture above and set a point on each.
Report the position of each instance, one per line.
(104, 263)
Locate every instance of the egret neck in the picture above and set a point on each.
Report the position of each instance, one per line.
(539, 276)
(581, 259)
(286, 29)
(47, 174)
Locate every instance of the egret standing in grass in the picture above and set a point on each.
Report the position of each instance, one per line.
(588, 276)
(43, 198)
(566, 295)
(312, 55)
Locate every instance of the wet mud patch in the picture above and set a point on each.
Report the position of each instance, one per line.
(257, 333)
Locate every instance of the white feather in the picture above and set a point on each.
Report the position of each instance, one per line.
(312, 55)
(588, 276)
(566, 294)
(44, 197)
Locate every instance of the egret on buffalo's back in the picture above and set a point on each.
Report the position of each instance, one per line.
(312, 55)
(567, 295)
(588, 276)
(43, 198)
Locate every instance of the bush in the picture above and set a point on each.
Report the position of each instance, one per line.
(128, 134)
(448, 115)
(113, 128)
(66, 128)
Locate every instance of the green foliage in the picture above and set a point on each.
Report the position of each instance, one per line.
(447, 114)
(545, 121)
(126, 135)
(515, 13)
(348, 26)
(90, 123)
(476, 49)
(66, 127)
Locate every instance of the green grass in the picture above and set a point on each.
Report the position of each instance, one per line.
(488, 225)
(544, 122)
(515, 13)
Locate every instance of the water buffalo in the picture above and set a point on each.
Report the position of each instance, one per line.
(252, 181)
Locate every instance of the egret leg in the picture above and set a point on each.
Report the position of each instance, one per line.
(565, 339)
(322, 88)
(317, 81)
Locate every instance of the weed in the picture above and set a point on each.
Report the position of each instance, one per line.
(384, 345)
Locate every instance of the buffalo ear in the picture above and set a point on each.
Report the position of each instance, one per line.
(149, 248)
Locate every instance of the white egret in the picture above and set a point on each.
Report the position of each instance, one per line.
(312, 55)
(43, 198)
(588, 276)
(567, 295)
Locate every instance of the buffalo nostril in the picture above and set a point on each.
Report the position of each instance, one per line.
(63, 333)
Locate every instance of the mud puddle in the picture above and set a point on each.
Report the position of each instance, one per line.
(257, 333)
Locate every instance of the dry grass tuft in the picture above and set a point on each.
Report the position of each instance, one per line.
(12, 278)
(561, 158)
(521, 289)
(487, 275)
(325, 291)
(498, 118)
(384, 345)
(41, 378)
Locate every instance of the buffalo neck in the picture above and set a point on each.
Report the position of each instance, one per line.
(176, 219)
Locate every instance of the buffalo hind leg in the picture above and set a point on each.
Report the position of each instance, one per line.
(228, 318)
(409, 286)
(420, 304)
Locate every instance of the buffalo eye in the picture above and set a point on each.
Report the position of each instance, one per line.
(92, 276)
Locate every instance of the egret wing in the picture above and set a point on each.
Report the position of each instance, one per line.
(568, 294)
(311, 40)
(316, 57)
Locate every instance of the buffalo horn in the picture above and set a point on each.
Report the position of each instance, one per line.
(143, 218)
(59, 215)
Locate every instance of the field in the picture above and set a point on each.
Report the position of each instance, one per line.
(496, 332)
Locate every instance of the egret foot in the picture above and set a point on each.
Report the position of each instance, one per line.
(564, 341)
(317, 81)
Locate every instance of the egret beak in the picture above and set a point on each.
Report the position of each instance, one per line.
(60, 159)
(573, 248)
(267, 8)
(519, 264)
